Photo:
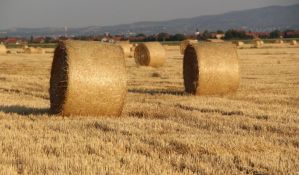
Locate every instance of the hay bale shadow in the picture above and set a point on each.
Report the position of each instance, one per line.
(157, 91)
(23, 110)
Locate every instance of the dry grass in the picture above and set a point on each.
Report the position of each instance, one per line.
(162, 130)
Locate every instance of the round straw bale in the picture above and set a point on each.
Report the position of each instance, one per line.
(211, 68)
(185, 43)
(258, 43)
(12, 51)
(3, 49)
(293, 42)
(132, 50)
(88, 79)
(126, 46)
(279, 41)
(150, 54)
(240, 43)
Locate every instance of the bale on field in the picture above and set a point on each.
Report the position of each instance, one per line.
(12, 51)
(3, 49)
(126, 47)
(88, 79)
(211, 68)
(133, 49)
(185, 43)
(30, 50)
(279, 41)
(239, 43)
(150, 54)
(293, 42)
(258, 43)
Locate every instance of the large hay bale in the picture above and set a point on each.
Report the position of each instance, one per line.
(239, 43)
(126, 47)
(294, 42)
(88, 78)
(185, 43)
(3, 49)
(280, 41)
(258, 43)
(134, 45)
(150, 54)
(211, 68)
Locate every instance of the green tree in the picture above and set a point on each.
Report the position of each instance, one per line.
(140, 35)
(178, 37)
(275, 34)
(220, 32)
(163, 36)
(31, 39)
(236, 34)
(206, 35)
(48, 39)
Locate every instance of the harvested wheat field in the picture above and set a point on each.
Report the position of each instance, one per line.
(161, 130)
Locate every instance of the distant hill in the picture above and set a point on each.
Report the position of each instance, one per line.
(260, 19)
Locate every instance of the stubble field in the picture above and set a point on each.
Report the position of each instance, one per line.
(162, 130)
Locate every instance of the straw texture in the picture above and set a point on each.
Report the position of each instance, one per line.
(258, 43)
(12, 51)
(185, 43)
(211, 69)
(40, 50)
(279, 41)
(132, 50)
(150, 54)
(239, 43)
(31, 50)
(88, 79)
(293, 42)
(126, 47)
(215, 40)
(3, 49)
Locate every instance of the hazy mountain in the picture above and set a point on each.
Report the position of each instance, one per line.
(261, 19)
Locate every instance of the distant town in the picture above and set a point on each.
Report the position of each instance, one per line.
(205, 35)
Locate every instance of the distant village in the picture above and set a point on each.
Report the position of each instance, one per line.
(205, 35)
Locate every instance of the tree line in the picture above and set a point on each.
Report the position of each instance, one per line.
(231, 34)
